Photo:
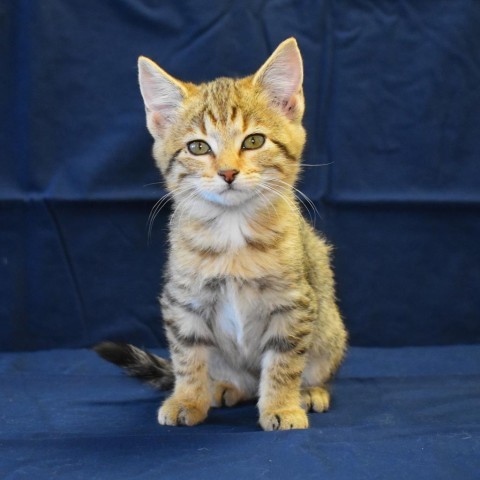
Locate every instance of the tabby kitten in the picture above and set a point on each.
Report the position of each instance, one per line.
(248, 303)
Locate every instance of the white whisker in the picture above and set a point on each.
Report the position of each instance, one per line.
(287, 200)
(269, 201)
(288, 187)
(310, 202)
(180, 208)
(160, 204)
(153, 183)
(316, 165)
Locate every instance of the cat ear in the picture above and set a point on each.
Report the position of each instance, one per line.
(281, 77)
(162, 95)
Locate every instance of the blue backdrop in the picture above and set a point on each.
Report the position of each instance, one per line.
(393, 110)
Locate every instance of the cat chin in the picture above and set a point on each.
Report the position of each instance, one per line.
(231, 198)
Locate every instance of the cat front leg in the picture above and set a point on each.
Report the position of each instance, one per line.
(191, 398)
(189, 340)
(280, 398)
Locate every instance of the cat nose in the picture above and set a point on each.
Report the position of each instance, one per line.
(228, 175)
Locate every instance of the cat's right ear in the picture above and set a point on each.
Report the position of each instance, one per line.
(162, 94)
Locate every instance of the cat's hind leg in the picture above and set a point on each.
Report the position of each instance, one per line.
(227, 395)
(316, 399)
(229, 385)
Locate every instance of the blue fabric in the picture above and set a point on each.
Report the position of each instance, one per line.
(397, 414)
(393, 115)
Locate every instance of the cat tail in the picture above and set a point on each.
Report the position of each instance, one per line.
(146, 366)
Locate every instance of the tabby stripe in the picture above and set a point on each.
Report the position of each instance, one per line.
(302, 305)
(269, 282)
(173, 301)
(204, 252)
(172, 161)
(189, 373)
(278, 167)
(284, 309)
(265, 245)
(186, 340)
(214, 283)
(286, 344)
(284, 149)
(188, 370)
(203, 128)
(176, 282)
(280, 344)
(183, 175)
(284, 378)
(259, 245)
(233, 113)
(175, 348)
(200, 312)
(212, 117)
(263, 283)
(182, 360)
(253, 370)
(181, 372)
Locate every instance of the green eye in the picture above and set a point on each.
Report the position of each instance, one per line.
(253, 141)
(199, 147)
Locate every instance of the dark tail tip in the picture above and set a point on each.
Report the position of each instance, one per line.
(117, 353)
(138, 363)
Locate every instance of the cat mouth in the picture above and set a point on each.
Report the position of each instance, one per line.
(229, 196)
(234, 191)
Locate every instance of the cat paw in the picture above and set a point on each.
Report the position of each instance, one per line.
(226, 395)
(316, 399)
(284, 419)
(181, 412)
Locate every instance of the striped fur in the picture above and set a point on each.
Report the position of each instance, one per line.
(153, 370)
(248, 302)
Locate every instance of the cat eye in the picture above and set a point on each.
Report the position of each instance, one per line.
(254, 141)
(199, 147)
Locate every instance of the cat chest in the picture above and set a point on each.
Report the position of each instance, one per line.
(239, 320)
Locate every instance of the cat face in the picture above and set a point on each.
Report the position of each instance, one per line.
(228, 142)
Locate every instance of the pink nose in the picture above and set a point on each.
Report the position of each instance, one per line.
(228, 175)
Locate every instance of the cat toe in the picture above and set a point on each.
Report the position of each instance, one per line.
(316, 399)
(226, 395)
(174, 412)
(284, 419)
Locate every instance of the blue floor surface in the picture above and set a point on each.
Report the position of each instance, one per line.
(410, 413)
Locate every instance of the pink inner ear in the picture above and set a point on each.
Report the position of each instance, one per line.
(162, 116)
(157, 120)
(281, 78)
(290, 104)
(289, 107)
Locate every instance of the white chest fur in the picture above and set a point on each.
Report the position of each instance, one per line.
(239, 321)
(228, 228)
(231, 230)
(231, 319)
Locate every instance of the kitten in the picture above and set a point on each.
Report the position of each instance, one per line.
(248, 303)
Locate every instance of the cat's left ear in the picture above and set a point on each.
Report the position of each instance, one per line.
(281, 77)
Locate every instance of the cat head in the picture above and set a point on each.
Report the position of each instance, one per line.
(230, 141)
